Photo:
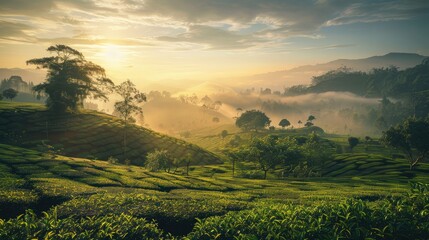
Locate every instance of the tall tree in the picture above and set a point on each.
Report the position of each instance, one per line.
(70, 79)
(252, 120)
(10, 93)
(132, 97)
(411, 137)
(311, 118)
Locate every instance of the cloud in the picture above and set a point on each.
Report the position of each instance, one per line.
(380, 11)
(216, 24)
(86, 40)
(215, 38)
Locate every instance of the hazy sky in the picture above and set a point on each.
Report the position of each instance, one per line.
(159, 41)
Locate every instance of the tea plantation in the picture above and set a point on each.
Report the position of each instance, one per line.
(366, 194)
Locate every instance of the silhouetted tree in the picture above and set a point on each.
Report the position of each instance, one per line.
(311, 118)
(128, 106)
(411, 137)
(10, 93)
(252, 120)
(284, 123)
(70, 79)
(223, 134)
(308, 124)
(353, 142)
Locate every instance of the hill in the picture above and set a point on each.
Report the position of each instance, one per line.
(304, 74)
(88, 134)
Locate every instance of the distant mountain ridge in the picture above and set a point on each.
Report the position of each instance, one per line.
(304, 74)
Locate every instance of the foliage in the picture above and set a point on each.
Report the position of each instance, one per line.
(128, 106)
(131, 98)
(284, 123)
(70, 79)
(270, 151)
(308, 124)
(311, 118)
(158, 160)
(316, 152)
(122, 226)
(252, 120)
(353, 142)
(351, 219)
(10, 93)
(411, 137)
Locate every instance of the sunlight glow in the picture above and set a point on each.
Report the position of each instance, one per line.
(112, 55)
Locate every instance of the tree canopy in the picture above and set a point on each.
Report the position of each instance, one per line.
(284, 123)
(10, 93)
(353, 142)
(252, 120)
(70, 79)
(131, 97)
(411, 137)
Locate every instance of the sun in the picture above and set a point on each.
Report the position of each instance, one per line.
(112, 55)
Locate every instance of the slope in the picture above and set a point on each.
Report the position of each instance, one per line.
(88, 134)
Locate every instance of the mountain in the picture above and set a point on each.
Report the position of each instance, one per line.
(303, 74)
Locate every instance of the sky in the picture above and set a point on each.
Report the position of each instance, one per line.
(179, 42)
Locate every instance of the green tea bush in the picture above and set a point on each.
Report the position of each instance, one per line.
(28, 226)
(406, 217)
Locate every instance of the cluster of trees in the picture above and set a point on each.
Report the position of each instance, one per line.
(257, 120)
(293, 156)
(411, 137)
(161, 160)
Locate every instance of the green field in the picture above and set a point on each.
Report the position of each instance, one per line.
(364, 194)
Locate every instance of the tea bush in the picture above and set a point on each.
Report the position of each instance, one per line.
(406, 217)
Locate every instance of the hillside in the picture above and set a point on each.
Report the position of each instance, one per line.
(304, 74)
(88, 134)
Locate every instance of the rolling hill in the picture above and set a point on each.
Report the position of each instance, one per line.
(88, 134)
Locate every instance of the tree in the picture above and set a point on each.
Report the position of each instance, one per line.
(128, 106)
(252, 120)
(270, 151)
(10, 93)
(315, 151)
(158, 160)
(70, 79)
(284, 123)
(411, 137)
(311, 118)
(353, 142)
(234, 155)
(299, 122)
(308, 124)
(223, 134)
(1, 97)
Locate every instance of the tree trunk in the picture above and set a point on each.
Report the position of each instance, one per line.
(187, 168)
(125, 140)
(265, 174)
